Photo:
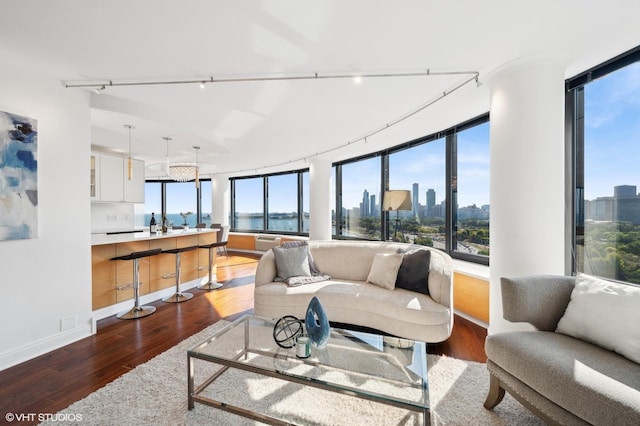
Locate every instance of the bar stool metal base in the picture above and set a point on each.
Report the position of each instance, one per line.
(137, 312)
(178, 297)
(212, 284)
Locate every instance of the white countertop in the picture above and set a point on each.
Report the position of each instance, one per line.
(100, 239)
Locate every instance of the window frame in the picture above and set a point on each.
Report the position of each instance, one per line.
(163, 196)
(575, 146)
(265, 202)
(449, 135)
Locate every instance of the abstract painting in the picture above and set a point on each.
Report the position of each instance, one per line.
(18, 177)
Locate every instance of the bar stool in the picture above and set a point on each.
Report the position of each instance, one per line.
(178, 296)
(211, 284)
(137, 311)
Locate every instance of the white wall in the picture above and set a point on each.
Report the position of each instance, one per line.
(46, 279)
(109, 217)
(220, 199)
(320, 172)
(527, 175)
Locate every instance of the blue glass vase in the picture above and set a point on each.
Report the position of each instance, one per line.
(317, 324)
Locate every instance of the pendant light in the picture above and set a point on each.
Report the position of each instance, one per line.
(167, 164)
(197, 148)
(130, 161)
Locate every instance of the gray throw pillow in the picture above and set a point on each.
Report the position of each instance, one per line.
(414, 271)
(292, 262)
(312, 264)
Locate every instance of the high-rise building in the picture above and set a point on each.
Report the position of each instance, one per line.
(415, 199)
(624, 191)
(431, 203)
(365, 210)
(626, 204)
(372, 206)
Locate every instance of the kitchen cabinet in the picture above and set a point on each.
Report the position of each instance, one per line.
(112, 280)
(110, 182)
(111, 178)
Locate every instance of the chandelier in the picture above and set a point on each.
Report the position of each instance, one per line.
(182, 172)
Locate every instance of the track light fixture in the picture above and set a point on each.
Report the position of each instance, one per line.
(310, 76)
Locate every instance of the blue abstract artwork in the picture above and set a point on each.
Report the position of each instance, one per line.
(18, 177)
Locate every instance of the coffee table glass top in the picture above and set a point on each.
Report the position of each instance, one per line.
(356, 363)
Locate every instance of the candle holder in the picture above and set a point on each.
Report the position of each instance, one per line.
(303, 346)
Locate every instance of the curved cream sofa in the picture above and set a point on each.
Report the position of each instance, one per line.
(347, 297)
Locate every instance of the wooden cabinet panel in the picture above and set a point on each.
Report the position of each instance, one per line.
(103, 276)
(189, 265)
(187, 241)
(242, 242)
(162, 266)
(471, 296)
(112, 281)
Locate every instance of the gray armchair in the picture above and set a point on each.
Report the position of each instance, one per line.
(561, 379)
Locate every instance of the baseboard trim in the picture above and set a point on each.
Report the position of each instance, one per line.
(43, 346)
(472, 319)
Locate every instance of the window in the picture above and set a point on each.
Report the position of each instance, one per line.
(421, 170)
(249, 204)
(283, 203)
(281, 197)
(181, 204)
(360, 200)
(172, 198)
(471, 191)
(446, 173)
(152, 201)
(205, 204)
(305, 202)
(605, 132)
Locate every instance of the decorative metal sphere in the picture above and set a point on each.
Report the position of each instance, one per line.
(286, 330)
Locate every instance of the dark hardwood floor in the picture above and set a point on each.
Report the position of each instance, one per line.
(53, 381)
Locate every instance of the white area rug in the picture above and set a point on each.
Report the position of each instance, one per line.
(155, 393)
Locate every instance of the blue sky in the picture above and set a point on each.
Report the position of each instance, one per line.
(612, 132)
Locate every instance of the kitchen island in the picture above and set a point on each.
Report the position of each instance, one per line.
(112, 287)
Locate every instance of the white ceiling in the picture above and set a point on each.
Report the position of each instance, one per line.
(249, 127)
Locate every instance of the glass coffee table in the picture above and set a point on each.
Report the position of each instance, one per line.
(356, 364)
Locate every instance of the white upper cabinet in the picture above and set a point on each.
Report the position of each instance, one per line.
(110, 180)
